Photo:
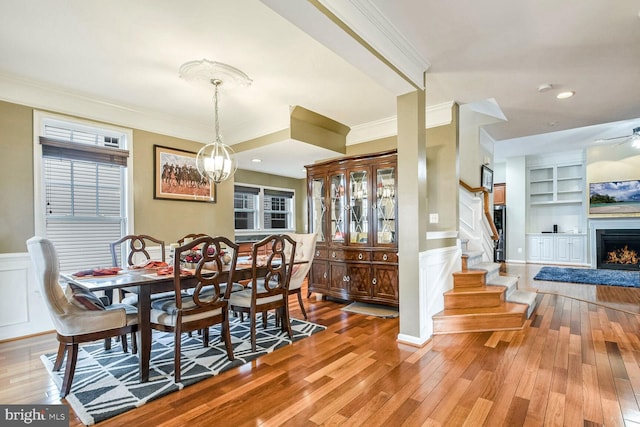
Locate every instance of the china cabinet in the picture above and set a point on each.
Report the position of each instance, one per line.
(352, 208)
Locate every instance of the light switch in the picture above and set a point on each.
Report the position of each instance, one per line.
(433, 218)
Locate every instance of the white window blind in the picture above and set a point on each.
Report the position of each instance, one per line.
(84, 191)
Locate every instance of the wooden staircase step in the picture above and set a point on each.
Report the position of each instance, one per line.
(506, 316)
(469, 279)
(487, 296)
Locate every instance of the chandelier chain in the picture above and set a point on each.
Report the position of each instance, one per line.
(216, 118)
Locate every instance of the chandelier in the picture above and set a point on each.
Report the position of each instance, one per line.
(215, 161)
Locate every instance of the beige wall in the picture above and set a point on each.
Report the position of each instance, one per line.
(170, 220)
(16, 177)
(619, 162)
(165, 219)
(299, 185)
(442, 178)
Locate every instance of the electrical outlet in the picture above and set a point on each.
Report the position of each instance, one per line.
(519, 250)
(433, 218)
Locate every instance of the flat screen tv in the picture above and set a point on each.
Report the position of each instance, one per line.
(614, 197)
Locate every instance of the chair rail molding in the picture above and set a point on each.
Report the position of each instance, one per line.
(22, 308)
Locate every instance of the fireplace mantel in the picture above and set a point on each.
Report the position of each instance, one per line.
(607, 223)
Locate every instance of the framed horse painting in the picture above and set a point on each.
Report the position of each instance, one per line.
(177, 178)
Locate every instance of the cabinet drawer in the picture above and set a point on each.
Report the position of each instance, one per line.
(391, 257)
(357, 256)
(320, 253)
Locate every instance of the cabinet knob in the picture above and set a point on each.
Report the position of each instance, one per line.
(333, 254)
(348, 278)
(360, 255)
(374, 281)
(317, 253)
(325, 275)
(384, 258)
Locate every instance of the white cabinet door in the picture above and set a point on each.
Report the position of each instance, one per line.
(547, 248)
(540, 248)
(533, 248)
(563, 248)
(570, 249)
(577, 250)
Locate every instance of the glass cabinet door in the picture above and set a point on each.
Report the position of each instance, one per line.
(338, 203)
(359, 207)
(385, 211)
(318, 208)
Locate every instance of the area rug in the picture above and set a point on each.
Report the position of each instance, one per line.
(590, 276)
(106, 382)
(372, 309)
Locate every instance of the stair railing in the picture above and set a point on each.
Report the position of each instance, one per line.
(487, 213)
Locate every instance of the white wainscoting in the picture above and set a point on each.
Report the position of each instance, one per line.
(436, 269)
(22, 308)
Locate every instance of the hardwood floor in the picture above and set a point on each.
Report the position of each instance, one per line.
(576, 362)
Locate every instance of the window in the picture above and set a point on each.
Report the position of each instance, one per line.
(263, 209)
(81, 187)
(245, 207)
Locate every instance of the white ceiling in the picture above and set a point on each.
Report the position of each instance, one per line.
(118, 61)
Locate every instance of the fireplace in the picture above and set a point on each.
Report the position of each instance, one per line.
(618, 249)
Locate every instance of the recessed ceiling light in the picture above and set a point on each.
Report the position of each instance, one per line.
(565, 95)
(256, 160)
(545, 87)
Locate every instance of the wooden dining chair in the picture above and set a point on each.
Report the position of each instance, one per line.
(190, 236)
(136, 251)
(268, 290)
(207, 305)
(79, 318)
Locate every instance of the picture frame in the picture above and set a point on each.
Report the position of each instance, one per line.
(176, 177)
(486, 178)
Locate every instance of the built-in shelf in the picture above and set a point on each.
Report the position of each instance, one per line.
(556, 196)
(553, 184)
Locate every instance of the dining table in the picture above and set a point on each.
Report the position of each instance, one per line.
(147, 282)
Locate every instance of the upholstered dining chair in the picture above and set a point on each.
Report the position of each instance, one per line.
(136, 252)
(305, 245)
(270, 290)
(206, 306)
(79, 321)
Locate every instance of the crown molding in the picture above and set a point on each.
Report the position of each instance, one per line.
(366, 20)
(435, 115)
(43, 96)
